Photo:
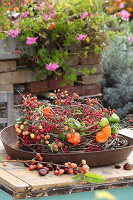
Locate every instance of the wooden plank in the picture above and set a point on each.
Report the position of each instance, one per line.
(6, 87)
(10, 112)
(19, 76)
(3, 97)
(3, 120)
(6, 66)
(12, 181)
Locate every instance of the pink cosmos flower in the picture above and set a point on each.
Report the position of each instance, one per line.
(82, 37)
(52, 67)
(124, 15)
(13, 33)
(131, 39)
(84, 15)
(45, 17)
(31, 40)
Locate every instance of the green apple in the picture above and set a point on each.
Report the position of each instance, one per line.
(104, 122)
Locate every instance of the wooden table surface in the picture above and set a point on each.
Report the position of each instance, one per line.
(21, 183)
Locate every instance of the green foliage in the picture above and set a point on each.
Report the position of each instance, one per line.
(57, 43)
(117, 81)
(89, 177)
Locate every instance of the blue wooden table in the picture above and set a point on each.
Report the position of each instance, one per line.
(17, 182)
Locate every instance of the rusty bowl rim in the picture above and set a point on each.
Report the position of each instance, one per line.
(71, 153)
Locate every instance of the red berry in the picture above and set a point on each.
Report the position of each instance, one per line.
(85, 167)
(38, 155)
(59, 144)
(86, 171)
(56, 172)
(33, 161)
(61, 171)
(70, 171)
(66, 164)
(35, 166)
(4, 164)
(9, 157)
(75, 172)
(83, 162)
(39, 166)
(69, 163)
(41, 159)
(31, 167)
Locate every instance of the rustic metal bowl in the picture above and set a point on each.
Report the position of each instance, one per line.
(98, 158)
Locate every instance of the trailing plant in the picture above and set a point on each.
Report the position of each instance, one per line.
(117, 81)
(58, 29)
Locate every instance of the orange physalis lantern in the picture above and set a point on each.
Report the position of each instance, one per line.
(75, 138)
(103, 135)
(107, 130)
(47, 111)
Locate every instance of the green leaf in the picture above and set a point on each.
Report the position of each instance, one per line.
(77, 123)
(51, 147)
(93, 71)
(83, 124)
(61, 136)
(71, 120)
(93, 178)
(0, 158)
(78, 177)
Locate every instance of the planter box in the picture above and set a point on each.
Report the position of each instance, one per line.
(24, 77)
(10, 45)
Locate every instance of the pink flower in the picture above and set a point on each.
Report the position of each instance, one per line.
(84, 15)
(121, 5)
(53, 14)
(16, 23)
(51, 7)
(124, 15)
(82, 37)
(13, 33)
(41, 6)
(25, 15)
(31, 40)
(52, 67)
(131, 39)
(45, 17)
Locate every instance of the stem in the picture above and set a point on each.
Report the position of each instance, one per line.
(91, 126)
(23, 161)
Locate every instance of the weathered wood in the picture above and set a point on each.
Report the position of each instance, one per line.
(6, 66)
(6, 87)
(3, 120)
(7, 98)
(91, 79)
(10, 113)
(19, 76)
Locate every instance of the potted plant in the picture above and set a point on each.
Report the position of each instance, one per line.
(68, 35)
